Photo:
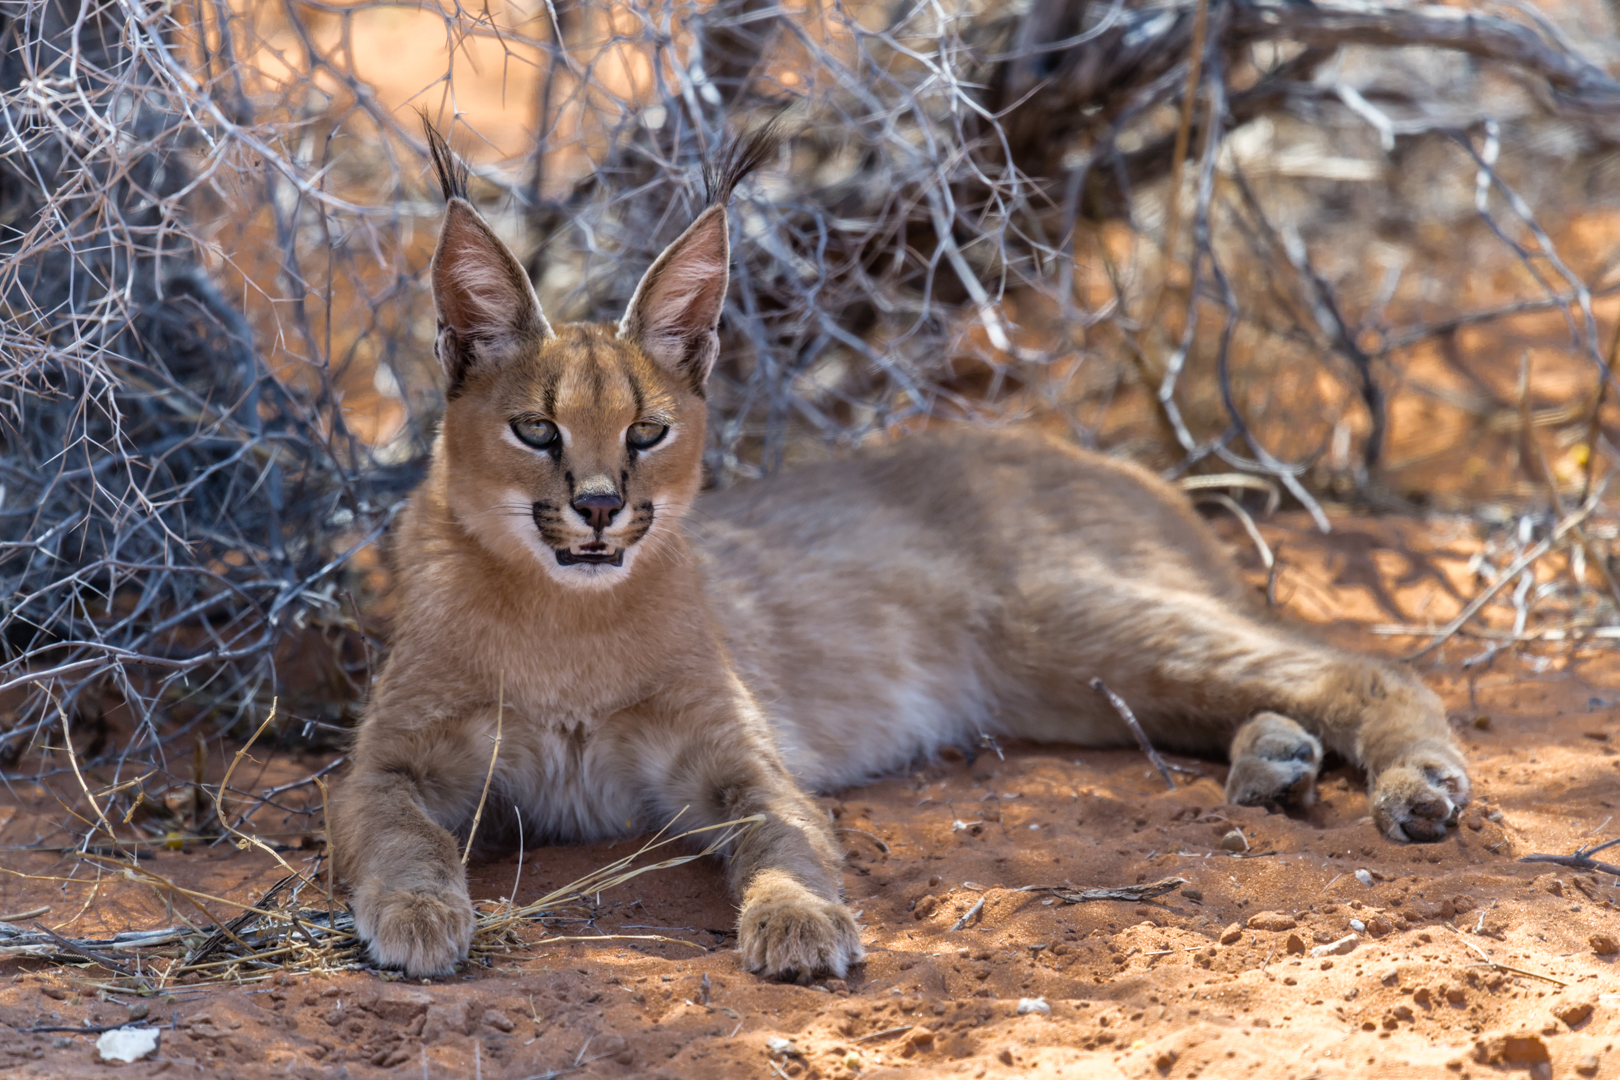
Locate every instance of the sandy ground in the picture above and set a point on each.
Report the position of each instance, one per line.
(1225, 977)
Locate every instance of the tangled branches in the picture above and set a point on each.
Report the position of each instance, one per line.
(1196, 231)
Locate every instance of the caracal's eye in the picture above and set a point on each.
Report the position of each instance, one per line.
(646, 434)
(540, 434)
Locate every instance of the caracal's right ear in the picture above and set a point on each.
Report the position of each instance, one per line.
(487, 310)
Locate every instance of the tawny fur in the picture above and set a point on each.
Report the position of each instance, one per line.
(806, 632)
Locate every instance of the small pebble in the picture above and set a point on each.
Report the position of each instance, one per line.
(785, 1047)
(1358, 926)
(1274, 921)
(1572, 1012)
(1604, 944)
(1235, 841)
(1231, 934)
(1033, 1005)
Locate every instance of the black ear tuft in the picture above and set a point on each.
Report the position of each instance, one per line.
(451, 170)
(740, 156)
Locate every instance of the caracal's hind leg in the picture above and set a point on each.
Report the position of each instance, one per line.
(1380, 716)
(1274, 762)
(1203, 674)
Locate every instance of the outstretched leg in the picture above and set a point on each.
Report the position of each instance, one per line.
(708, 753)
(1199, 673)
(408, 887)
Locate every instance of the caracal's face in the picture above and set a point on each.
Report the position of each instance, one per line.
(576, 449)
(580, 456)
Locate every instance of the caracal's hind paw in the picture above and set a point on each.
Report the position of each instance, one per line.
(791, 934)
(1417, 797)
(1274, 760)
(422, 931)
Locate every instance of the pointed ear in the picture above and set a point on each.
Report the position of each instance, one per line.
(486, 307)
(675, 312)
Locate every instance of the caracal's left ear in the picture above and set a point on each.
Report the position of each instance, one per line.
(675, 312)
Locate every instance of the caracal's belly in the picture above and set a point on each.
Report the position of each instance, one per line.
(891, 602)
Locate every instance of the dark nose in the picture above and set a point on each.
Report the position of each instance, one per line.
(598, 510)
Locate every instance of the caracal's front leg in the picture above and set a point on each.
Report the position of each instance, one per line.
(407, 885)
(714, 757)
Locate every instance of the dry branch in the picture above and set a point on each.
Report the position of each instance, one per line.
(1069, 894)
(1581, 859)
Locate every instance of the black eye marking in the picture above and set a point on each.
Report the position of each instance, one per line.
(538, 434)
(645, 434)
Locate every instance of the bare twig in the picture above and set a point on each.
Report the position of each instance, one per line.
(1488, 962)
(1131, 722)
(1581, 859)
(1522, 563)
(967, 916)
(1127, 893)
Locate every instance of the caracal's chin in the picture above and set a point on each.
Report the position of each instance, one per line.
(589, 566)
(594, 564)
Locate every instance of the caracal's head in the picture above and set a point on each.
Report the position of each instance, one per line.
(577, 447)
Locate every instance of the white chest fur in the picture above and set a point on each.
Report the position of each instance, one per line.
(568, 781)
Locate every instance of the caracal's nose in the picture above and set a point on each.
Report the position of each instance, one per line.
(598, 509)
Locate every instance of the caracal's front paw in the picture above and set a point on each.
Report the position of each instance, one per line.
(1418, 796)
(425, 931)
(793, 935)
(1274, 760)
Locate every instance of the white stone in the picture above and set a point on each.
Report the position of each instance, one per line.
(1033, 1005)
(1336, 948)
(127, 1044)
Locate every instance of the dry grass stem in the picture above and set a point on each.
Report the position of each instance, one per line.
(494, 752)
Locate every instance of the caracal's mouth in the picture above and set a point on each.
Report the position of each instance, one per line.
(595, 553)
